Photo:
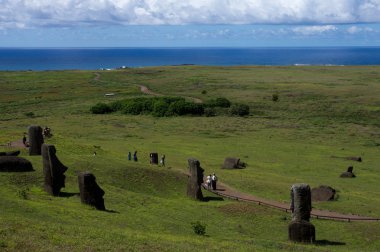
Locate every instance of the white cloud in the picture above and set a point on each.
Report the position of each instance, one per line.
(314, 30)
(39, 13)
(355, 29)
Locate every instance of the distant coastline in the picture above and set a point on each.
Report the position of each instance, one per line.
(39, 59)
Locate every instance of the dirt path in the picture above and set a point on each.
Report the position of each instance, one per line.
(228, 192)
(147, 91)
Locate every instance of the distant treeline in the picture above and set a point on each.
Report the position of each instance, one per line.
(171, 106)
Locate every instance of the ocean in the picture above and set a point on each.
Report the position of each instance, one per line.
(110, 58)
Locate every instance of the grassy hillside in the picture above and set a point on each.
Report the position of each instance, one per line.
(323, 115)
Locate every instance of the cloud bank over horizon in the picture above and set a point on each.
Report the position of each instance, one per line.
(68, 13)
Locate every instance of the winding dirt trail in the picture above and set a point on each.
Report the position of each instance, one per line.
(226, 191)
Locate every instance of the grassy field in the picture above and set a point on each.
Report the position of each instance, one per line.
(323, 115)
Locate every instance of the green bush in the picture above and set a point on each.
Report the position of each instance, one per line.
(160, 108)
(199, 228)
(275, 97)
(209, 112)
(29, 114)
(219, 102)
(239, 110)
(101, 108)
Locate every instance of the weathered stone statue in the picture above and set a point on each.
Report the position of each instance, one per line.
(15, 164)
(233, 163)
(35, 140)
(90, 192)
(349, 173)
(10, 153)
(323, 193)
(154, 158)
(300, 229)
(195, 180)
(53, 170)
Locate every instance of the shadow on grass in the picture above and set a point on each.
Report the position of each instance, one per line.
(68, 194)
(329, 243)
(111, 211)
(210, 198)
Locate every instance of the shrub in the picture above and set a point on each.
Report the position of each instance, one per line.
(199, 228)
(101, 108)
(29, 114)
(23, 193)
(239, 109)
(204, 91)
(219, 102)
(209, 112)
(274, 97)
(160, 107)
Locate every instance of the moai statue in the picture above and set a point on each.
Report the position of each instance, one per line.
(154, 158)
(349, 173)
(35, 140)
(300, 229)
(53, 170)
(90, 192)
(195, 180)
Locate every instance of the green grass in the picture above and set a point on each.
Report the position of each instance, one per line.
(322, 113)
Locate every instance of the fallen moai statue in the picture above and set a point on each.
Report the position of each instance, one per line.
(359, 159)
(90, 192)
(349, 173)
(300, 229)
(36, 140)
(10, 153)
(322, 193)
(15, 164)
(53, 170)
(233, 163)
(195, 181)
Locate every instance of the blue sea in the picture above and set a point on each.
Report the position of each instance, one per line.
(110, 58)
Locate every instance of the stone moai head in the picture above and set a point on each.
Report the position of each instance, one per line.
(195, 180)
(153, 158)
(300, 229)
(90, 192)
(350, 169)
(53, 170)
(300, 202)
(35, 140)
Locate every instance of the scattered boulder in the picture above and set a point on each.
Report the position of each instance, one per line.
(300, 229)
(348, 173)
(195, 180)
(36, 140)
(53, 170)
(233, 163)
(322, 193)
(359, 159)
(90, 191)
(15, 164)
(10, 153)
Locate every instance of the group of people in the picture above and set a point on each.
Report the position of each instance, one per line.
(134, 156)
(211, 181)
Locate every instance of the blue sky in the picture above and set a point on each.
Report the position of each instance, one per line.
(192, 23)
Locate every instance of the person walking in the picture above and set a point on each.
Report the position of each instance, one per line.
(214, 179)
(208, 181)
(129, 156)
(162, 161)
(135, 156)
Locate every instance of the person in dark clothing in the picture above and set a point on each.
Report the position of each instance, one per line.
(135, 156)
(214, 178)
(129, 156)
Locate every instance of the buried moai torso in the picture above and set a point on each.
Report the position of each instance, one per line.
(300, 202)
(195, 180)
(53, 170)
(90, 192)
(35, 140)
